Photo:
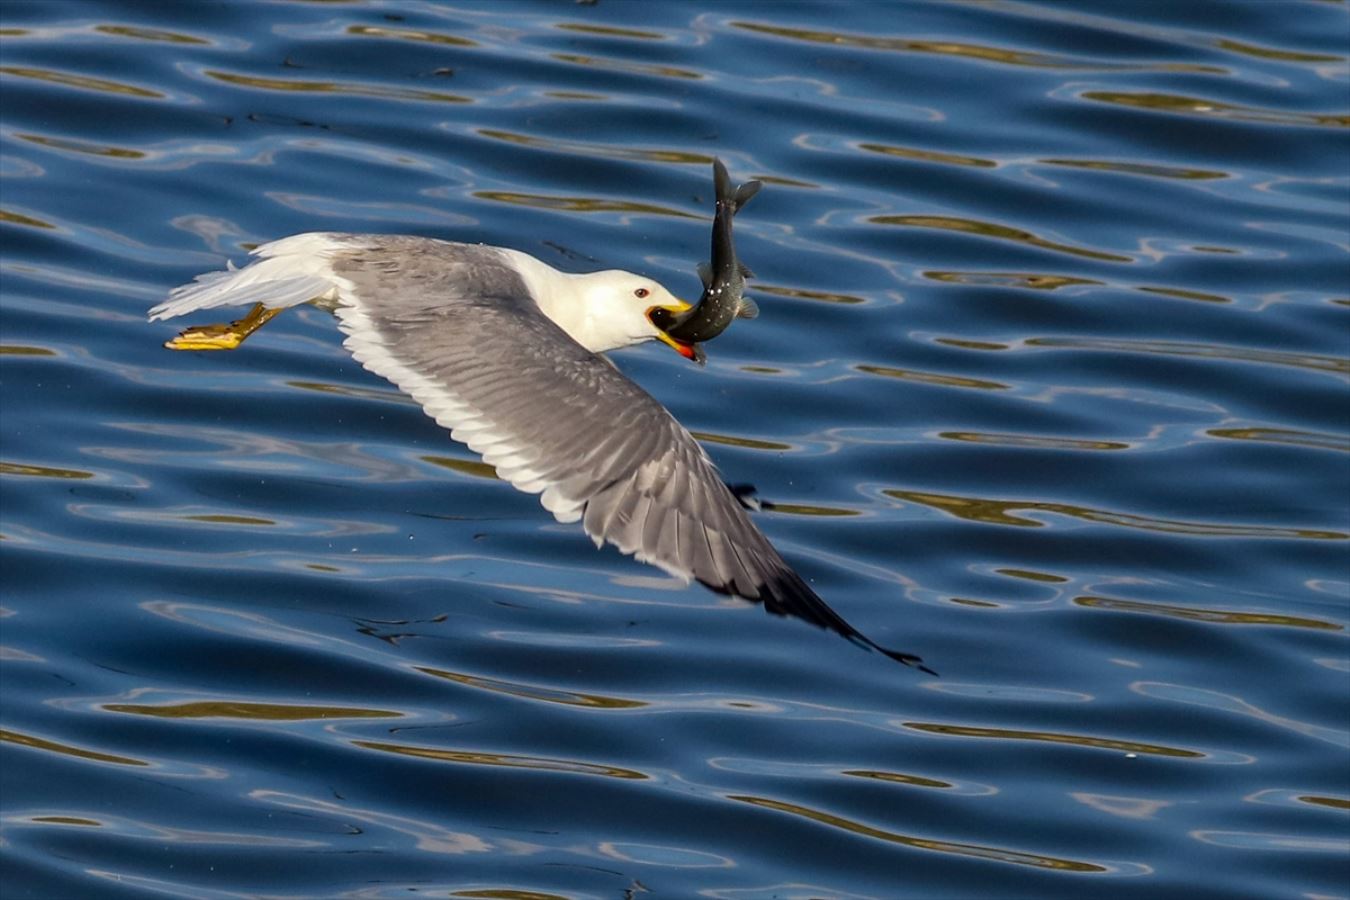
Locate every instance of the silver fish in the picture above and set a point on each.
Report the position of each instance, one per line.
(724, 278)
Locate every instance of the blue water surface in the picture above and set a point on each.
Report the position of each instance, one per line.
(1049, 387)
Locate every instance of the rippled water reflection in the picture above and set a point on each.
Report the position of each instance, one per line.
(1050, 388)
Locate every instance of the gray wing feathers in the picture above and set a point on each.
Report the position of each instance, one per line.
(477, 353)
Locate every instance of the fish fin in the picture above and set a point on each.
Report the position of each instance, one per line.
(705, 274)
(749, 309)
(744, 192)
(745, 270)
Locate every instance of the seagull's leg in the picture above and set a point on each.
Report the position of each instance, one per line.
(222, 337)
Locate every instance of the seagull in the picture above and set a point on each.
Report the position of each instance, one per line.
(505, 352)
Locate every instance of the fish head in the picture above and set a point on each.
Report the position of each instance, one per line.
(662, 317)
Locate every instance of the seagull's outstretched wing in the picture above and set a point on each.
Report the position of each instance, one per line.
(455, 326)
(555, 419)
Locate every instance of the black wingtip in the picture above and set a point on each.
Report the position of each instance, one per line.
(908, 659)
(790, 595)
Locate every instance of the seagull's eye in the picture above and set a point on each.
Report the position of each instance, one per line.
(641, 292)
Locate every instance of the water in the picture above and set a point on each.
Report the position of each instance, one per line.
(1049, 387)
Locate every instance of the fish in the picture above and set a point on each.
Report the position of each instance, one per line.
(723, 279)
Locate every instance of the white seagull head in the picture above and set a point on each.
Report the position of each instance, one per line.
(617, 308)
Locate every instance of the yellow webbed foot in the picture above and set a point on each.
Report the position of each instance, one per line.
(222, 337)
(207, 337)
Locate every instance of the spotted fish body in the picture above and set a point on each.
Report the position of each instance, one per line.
(724, 278)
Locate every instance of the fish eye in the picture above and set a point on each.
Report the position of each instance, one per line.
(641, 292)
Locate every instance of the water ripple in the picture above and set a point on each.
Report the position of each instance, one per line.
(1048, 386)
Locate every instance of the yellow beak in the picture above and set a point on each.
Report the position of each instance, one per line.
(688, 351)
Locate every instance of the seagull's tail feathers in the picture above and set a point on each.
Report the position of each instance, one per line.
(287, 272)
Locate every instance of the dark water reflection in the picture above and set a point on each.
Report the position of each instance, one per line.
(1049, 387)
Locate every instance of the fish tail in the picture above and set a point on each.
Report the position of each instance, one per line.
(736, 196)
(722, 183)
(744, 192)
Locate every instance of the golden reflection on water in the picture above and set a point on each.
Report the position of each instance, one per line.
(67, 820)
(237, 709)
(978, 604)
(1176, 103)
(1183, 294)
(37, 743)
(996, 854)
(1196, 614)
(8, 468)
(599, 150)
(971, 345)
(1033, 576)
(1329, 802)
(934, 156)
(969, 51)
(1131, 168)
(803, 294)
(347, 89)
(581, 204)
(631, 68)
(408, 34)
(1284, 436)
(932, 378)
(166, 835)
(576, 95)
(345, 390)
(1031, 440)
(511, 761)
(84, 147)
(1332, 364)
(742, 442)
(1273, 53)
(994, 230)
(14, 218)
(221, 519)
(898, 778)
(510, 894)
(83, 82)
(1033, 280)
(610, 31)
(463, 466)
(1046, 282)
(801, 509)
(1053, 737)
(999, 512)
(150, 34)
(533, 692)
